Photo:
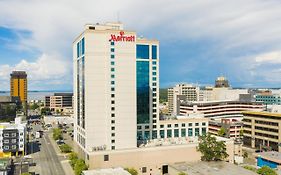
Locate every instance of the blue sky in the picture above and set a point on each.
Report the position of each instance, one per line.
(199, 40)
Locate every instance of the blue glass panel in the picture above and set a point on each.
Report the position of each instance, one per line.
(78, 49)
(142, 51)
(142, 92)
(83, 46)
(154, 52)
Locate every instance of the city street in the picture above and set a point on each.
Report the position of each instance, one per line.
(48, 162)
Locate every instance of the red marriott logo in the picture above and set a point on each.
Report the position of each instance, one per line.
(122, 37)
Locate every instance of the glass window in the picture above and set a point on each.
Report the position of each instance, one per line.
(139, 135)
(183, 125)
(112, 76)
(154, 62)
(146, 135)
(161, 126)
(196, 124)
(190, 133)
(162, 133)
(112, 115)
(189, 124)
(154, 84)
(142, 51)
(154, 134)
(112, 82)
(183, 132)
(169, 133)
(196, 131)
(143, 92)
(176, 125)
(83, 46)
(112, 56)
(154, 52)
(112, 89)
(176, 132)
(112, 69)
(112, 49)
(78, 49)
(112, 43)
(204, 131)
(154, 68)
(203, 124)
(154, 78)
(153, 73)
(169, 125)
(106, 158)
(112, 63)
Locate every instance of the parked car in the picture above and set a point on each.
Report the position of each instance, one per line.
(60, 142)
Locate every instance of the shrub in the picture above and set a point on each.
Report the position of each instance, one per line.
(250, 168)
(57, 134)
(65, 148)
(132, 171)
(80, 166)
(73, 159)
(265, 170)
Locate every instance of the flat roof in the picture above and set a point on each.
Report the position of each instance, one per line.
(263, 113)
(273, 156)
(109, 171)
(210, 168)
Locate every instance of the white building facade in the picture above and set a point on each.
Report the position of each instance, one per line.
(115, 87)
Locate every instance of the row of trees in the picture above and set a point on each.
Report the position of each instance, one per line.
(265, 170)
(57, 134)
(77, 164)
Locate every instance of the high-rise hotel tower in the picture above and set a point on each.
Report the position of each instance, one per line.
(116, 80)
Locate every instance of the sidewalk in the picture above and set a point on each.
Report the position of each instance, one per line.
(65, 163)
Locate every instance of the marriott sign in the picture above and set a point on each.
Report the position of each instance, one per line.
(122, 37)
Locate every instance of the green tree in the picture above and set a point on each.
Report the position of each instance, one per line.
(34, 106)
(222, 132)
(80, 166)
(265, 170)
(211, 149)
(182, 173)
(65, 148)
(45, 111)
(132, 171)
(57, 134)
(73, 158)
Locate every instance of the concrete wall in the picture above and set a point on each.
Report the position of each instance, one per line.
(152, 158)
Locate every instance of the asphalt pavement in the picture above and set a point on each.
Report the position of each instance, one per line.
(46, 158)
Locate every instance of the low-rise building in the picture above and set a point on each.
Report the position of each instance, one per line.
(208, 168)
(270, 158)
(152, 158)
(189, 91)
(12, 139)
(59, 102)
(109, 171)
(58, 119)
(232, 127)
(262, 130)
(8, 108)
(220, 109)
(173, 127)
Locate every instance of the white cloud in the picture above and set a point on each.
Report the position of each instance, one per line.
(252, 26)
(272, 57)
(47, 69)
